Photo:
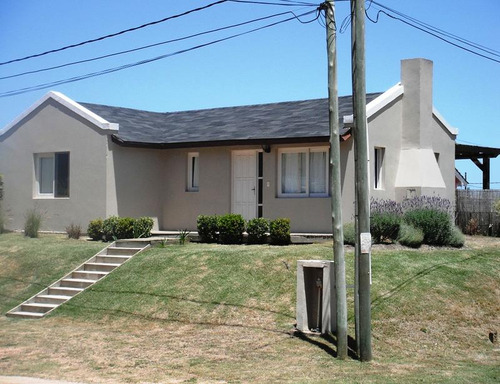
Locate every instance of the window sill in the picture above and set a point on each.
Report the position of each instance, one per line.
(49, 198)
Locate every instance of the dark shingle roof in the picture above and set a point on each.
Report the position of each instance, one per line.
(286, 121)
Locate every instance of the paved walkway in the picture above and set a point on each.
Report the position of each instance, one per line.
(30, 380)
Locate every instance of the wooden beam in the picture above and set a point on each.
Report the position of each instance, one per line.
(486, 173)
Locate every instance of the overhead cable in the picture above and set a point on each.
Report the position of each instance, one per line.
(146, 61)
(114, 34)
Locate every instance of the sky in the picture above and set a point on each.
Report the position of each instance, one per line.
(284, 62)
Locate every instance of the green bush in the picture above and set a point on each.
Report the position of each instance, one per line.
(280, 231)
(142, 227)
(110, 228)
(207, 228)
(496, 206)
(231, 228)
(457, 238)
(409, 236)
(349, 233)
(32, 223)
(95, 230)
(2, 220)
(384, 226)
(74, 231)
(436, 225)
(125, 228)
(257, 231)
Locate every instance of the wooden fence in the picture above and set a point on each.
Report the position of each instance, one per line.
(476, 207)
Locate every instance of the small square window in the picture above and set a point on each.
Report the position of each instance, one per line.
(52, 174)
(193, 172)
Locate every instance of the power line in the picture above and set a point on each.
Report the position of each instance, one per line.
(146, 61)
(114, 34)
(434, 32)
(143, 47)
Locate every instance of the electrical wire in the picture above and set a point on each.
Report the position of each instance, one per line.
(114, 34)
(435, 32)
(145, 46)
(282, 3)
(146, 61)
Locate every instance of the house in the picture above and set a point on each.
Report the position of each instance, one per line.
(77, 161)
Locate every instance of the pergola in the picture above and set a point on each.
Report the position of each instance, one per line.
(480, 156)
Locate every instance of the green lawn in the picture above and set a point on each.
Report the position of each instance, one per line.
(214, 313)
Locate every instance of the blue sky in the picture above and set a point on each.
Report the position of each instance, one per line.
(285, 62)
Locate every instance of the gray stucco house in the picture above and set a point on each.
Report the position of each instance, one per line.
(76, 161)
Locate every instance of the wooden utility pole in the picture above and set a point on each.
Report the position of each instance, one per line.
(335, 181)
(363, 271)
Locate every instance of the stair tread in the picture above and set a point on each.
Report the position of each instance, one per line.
(69, 288)
(102, 264)
(96, 272)
(61, 297)
(46, 305)
(24, 313)
(78, 280)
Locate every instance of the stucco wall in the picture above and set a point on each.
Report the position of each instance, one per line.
(53, 128)
(180, 208)
(135, 181)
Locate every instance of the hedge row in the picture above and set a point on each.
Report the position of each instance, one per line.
(114, 228)
(228, 229)
(417, 221)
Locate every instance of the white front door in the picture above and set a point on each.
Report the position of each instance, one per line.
(244, 196)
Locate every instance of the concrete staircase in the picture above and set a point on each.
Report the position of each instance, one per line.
(84, 276)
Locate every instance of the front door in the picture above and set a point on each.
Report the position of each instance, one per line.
(244, 194)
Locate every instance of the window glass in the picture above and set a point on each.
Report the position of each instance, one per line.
(293, 172)
(193, 172)
(46, 175)
(317, 172)
(62, 174)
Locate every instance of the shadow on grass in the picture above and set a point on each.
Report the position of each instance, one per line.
(119, 312)
(328, 343)
(179, 298)
(386, 296)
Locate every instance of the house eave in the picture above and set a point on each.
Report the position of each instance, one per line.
(72, 105)
(221, 143)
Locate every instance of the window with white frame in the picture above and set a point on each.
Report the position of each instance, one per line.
(52, 174)
(379, 168)
(303, 172)
(193, 171)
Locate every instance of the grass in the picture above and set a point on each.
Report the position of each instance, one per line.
(212, 313)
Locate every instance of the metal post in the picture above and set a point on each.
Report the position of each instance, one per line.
(362, 178)
(335, 180)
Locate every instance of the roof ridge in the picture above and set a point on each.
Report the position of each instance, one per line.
(224, 107)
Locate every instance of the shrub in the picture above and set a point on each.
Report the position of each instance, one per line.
(95, 230)
(183, 236)
(110, 228)
(142, 227)
(472, 227)
(384, 226)
(207, 228)
(434, 203)
(409, 236)
(496, 206)
(280, 231)
(125, 228)
(457, 238)
(257, 230)
(32, 223)
(231, 228)
(2, 220)
(435, 224)
(74, 231)
(350, 233)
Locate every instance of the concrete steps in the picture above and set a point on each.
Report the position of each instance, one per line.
(82, 277)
